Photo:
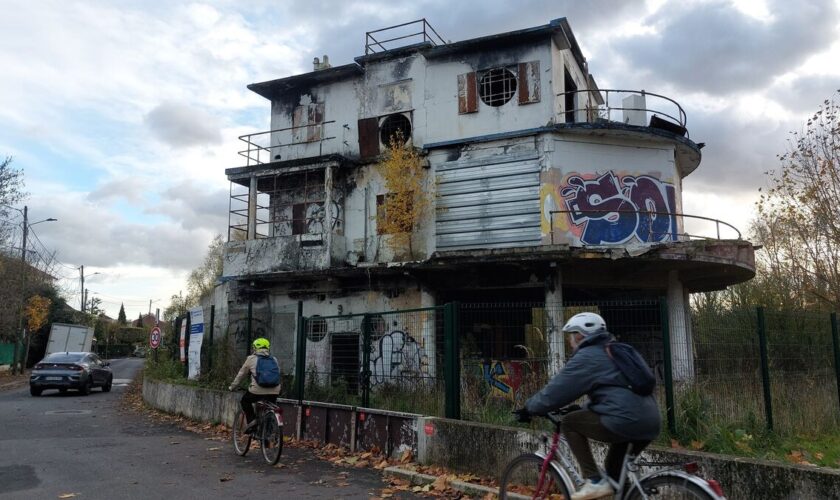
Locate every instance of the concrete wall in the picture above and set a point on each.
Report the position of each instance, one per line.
(480, 448)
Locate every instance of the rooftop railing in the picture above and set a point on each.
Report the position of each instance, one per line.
(648, 226)
(418, 31)
(630, 107)
(269, 146)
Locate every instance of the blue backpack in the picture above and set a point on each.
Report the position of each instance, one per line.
(632, 365)
(268, 372)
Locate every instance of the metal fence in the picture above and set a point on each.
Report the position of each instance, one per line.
(391, 360)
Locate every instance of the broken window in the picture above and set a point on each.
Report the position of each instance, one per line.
(393, 126)
(395, 215)
(569, 96)
(308, 122)
(497, 86)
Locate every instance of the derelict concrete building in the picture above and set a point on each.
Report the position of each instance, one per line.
(545, 188)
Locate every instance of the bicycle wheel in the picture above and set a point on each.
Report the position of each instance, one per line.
(241, 441)
(669, 488)
(271, 439)
(521, 480)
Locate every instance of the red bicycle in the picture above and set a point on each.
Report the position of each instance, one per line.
(554, 476)
(269, 431)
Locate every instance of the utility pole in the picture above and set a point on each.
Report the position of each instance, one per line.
(16, 357)
(150, 307)
(86, 300)
(82, 287)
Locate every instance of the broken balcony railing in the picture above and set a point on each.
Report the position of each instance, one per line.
(420, 31)
(314, 220)
(617, 227)
(288, 143)
(630, 107)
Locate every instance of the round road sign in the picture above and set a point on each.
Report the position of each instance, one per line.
(154, 338)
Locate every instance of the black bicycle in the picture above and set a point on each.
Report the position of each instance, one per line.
(268, 430)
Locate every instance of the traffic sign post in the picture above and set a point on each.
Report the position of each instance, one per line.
(154, 340)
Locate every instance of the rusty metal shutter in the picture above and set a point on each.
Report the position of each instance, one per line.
(368, 137)
(489, 202)
(467, 93)
(529, 82)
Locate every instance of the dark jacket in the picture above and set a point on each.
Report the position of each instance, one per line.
(591, 372)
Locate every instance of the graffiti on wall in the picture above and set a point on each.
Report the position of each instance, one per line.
(503, 377)
(398, 358)
(611, 208)
(316, 215)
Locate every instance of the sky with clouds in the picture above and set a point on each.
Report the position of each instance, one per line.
(124, 115)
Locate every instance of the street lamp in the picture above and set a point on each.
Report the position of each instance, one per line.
(26, 225)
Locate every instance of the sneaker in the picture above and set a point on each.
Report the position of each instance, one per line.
(591, 490)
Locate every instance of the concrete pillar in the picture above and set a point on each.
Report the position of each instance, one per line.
(429, 340)
(252, 208)
(554, 324)
(328, 215)
(682, 349)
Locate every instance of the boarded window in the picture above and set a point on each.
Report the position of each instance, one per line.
(385, 220)
(308, 122)
(529, 82)
(368, 137)
(467, 93)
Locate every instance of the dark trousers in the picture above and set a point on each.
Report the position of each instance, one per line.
(248, 400)
(582, 425)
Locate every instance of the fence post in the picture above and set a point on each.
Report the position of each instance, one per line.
(300, 351)
(366, 338)
(250, 317)
(187, 347)
(212, 324)
(765, 367)
(669, 373)
(452, 368)
(835, 337)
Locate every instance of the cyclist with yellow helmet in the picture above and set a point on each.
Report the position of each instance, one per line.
(265, 379)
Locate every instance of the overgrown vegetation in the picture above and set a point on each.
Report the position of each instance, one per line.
(408, 195)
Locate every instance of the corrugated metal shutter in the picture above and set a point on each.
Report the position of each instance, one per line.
(490, 202)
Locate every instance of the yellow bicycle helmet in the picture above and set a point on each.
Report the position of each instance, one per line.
(261, 343)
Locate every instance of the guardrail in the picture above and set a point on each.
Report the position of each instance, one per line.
(259, 154)
(372, 45)
(602, 110)
(649, 234)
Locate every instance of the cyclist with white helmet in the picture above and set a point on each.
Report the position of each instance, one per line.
(257, 391)
(612, 414)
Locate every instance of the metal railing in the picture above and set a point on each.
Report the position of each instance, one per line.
(255, 152)
(646, 221)
(426, 31)
(663, 107)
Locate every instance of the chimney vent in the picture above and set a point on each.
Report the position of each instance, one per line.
(316, 64)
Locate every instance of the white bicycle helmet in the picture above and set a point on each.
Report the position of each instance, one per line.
(585, 324)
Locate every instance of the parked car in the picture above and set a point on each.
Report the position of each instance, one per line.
(139, 352)
(71, 370)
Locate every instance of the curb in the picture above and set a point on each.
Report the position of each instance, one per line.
(420, 479)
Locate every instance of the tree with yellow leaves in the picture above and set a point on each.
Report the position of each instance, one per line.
(408, 196)
(36, 312)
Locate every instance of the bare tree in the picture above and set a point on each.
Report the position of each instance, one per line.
(798, 217)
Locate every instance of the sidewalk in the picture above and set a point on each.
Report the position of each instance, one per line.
(9, 381)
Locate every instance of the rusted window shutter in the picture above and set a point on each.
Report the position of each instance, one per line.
(368, 137)
(467, 93)
(529, 82)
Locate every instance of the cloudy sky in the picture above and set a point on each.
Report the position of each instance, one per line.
(124, 114)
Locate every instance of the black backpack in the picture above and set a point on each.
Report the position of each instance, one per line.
(632, 365)
(268, 372)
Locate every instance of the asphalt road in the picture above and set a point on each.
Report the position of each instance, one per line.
(60, 444)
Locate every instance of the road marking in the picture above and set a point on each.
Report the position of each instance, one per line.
(67, 412)
(122, 381)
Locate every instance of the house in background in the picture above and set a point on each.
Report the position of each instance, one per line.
(545, 190)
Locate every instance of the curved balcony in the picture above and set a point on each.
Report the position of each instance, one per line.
(634, 227)
(628, 107)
